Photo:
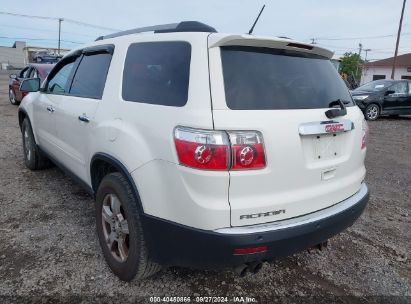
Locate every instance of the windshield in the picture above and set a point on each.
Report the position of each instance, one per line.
(374, 86)
(264, 78)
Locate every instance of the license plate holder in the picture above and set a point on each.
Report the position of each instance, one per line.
(326, 146)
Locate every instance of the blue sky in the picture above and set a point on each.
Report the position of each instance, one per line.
(328, 21)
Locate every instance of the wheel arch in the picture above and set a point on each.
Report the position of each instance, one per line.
(102, 164)
(22, 114)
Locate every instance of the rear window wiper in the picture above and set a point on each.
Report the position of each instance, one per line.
(337, 112)
(337, 102)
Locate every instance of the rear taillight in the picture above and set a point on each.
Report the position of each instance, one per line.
(202, 149)
(366, 131)
(247, 150)
(219, 150)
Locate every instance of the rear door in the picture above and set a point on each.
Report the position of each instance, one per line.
(311, 161)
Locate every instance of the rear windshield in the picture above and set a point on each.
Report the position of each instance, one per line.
(271, 79)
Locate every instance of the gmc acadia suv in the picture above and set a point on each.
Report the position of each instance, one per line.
(201, 149)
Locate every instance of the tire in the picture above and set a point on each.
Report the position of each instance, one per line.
(34, 159)
(12, 98)
(372, 112)
(126, 253)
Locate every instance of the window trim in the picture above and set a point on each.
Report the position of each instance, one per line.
(27, 68)
(88, 51)
(157, 41)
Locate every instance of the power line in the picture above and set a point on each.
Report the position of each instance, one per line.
(364, 37)
(38, 39)
(43, 30)
(91, 25)
(28, 16)
(56, 19)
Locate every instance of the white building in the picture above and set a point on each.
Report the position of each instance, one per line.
(13, 56)
(20, 54)
(381, 69)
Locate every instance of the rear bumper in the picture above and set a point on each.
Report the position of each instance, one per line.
(173, 244)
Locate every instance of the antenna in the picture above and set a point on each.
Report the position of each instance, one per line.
(256, 20)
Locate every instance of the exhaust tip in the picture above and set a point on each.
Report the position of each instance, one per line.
(241, 270)
(257, 267)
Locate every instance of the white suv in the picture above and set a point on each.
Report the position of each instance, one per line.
(201, 149)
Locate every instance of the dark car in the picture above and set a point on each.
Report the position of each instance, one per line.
(384, 97)
(45, 57)
(31, 71)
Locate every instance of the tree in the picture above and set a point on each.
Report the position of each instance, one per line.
(351, 64)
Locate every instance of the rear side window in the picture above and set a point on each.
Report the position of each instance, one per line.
(90, 77)
(271, 79)
(157, 73)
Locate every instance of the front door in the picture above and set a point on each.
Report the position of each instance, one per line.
(75, 118)
(46, 107)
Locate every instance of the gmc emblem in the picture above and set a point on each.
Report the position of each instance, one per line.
(334, 128)
(257, 215)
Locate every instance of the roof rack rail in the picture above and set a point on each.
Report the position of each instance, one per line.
(184, 26)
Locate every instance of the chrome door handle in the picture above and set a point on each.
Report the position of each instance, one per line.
(50, 109)
(84, 118)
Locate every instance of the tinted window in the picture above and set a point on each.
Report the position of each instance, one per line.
(59, 83)
(157, 73)
(91, 75)
(399, 87)
(374, 86)
(263, 78)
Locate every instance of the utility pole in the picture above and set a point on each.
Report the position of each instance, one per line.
(60, 19)
(359, 49)
(365, 62)
(359, 57)
(398, 41)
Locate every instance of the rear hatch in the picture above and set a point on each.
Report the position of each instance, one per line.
(283, 89)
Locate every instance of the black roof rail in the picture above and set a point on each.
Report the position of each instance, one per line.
(184, 26)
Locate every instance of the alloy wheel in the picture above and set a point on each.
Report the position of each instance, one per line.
(12, 97)
(372, 112)
(115, 227)
(27, 145)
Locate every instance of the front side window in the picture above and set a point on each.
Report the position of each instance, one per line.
(90, 77)
(59, 83)
(270, 79)
(157, 73)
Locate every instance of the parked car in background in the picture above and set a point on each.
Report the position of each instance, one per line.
(31, 71)
(45, 57)
(383, 97)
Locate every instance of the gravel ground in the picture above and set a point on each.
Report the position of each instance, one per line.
(49, 248)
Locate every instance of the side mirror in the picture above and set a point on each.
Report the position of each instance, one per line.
(389, 92)
(13, 76)
(30, 85)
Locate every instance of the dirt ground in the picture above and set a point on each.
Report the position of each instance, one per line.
(49, 248)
